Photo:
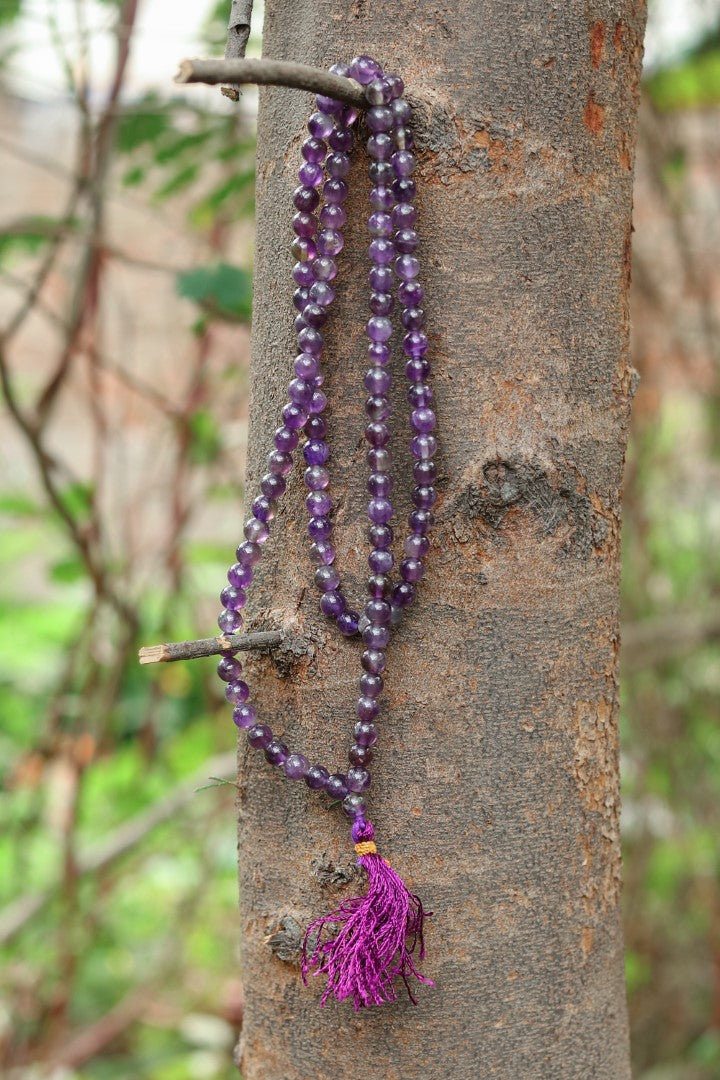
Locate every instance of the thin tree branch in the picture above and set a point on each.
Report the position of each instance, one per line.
(237, 39)
(122, 840)
(272, 73)
(214, 646)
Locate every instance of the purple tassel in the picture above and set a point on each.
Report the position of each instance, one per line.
(377, 936)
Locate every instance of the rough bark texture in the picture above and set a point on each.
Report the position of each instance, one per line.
(496, 786)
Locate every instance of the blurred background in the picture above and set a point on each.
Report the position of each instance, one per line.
(126, 246)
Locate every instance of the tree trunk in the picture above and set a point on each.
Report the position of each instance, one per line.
(496, 787)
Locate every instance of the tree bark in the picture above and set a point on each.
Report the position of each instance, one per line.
(496, 787)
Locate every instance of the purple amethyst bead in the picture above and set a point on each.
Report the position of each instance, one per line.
(322, 294)
(259, 736)
(285, 439)
(381, 562)
(294, 415)
(371, 686)
(378, 380)
(364, 69)
(377, 434)
(410, 293)
(233, 599)
(240, 576)
(316, 427)
(248, 554)
(316, 477)
(332, 604)
(311, 174)
(374, 661)
(320, 125)
(313, 149)
(319, 528)
(379, 587)
(279, 463)
(335, 191)
(273, 486)
(229, 621)
(367, 708)
(305, 224)
(379, 459)
(329, 242)
(327, 578)
(276, 752)
(316, 777)
(360, 755)
(411, 570)
(381, 278)
(244, 716)
(358, 779)
(341, 139)
(336, 786)
(322, 553)
(380, 536)
(318, 504)
(229, 668)
(407, 267)
(424, 496)
(324, 268)
(355, 806)
(237, 692)
(365, 733)
(423, 446)
(420, 521)
(379, 118)
(264, 510)
(403, 163)
(378, 612)
(348, 623)
(316, 452)
(296, 766)
(380, 510)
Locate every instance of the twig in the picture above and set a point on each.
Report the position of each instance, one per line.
(272, 73)
(123, 839)
(237, 39)
(83, 1045)
(213, 646)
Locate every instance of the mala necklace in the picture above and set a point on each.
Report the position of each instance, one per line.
(375, 934)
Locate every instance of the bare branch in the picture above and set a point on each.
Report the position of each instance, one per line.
(214, 646)
(237, 39)
(272, 73)
(123, 839)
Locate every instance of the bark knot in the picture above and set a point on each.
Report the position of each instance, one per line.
(555, 501)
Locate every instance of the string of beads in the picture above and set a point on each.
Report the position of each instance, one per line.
(393, 277)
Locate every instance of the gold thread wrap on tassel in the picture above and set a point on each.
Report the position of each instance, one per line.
(366, 847)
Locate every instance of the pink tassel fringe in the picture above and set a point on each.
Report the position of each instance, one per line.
(377, 936)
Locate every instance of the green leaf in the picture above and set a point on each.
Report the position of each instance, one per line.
(695, 83)
(174, 147)
(134, 176)
(137, 128)
(9, 11)
(178, 182)
(20, 505)
(206, 438)
(77, 500)
(222, 291)
(67, 571)
(28, 235)
(240, 187)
